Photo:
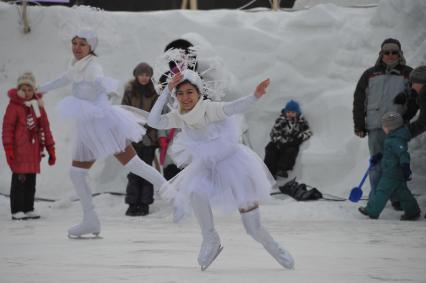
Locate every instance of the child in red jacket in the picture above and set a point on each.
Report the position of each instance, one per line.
(25, 134)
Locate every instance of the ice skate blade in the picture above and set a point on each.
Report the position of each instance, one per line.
(204, 267)
(93, 236)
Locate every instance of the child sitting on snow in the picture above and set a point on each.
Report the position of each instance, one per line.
(288, 133)
(395, 171)
(26, 133)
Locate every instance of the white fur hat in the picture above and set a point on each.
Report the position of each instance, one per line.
(194, 78)
(90, 36)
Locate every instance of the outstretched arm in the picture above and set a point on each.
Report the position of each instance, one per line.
(56, 83)
(242, 104)
(155, 118)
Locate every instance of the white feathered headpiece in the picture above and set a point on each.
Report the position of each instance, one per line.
(186, 62)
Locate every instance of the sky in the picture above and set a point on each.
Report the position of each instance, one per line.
(313, 55)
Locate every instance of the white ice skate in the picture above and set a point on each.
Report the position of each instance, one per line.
(89, 225)
(280, 254)
(210, 249)
(254, 228)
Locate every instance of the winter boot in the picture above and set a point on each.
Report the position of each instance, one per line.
(407, 217)
(19, 216)
(32, 214)
(90, 223)
(143, 209)
(133, 210)
(254, 228)
(364, 211)
(211, 246)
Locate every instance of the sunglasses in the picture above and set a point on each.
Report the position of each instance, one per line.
(390, 52)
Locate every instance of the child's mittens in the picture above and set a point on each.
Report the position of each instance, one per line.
(10, 155)
(406, 171)
(376, 159)
(52, 156)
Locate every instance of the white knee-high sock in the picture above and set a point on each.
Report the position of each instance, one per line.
(203, 213)
(139, 167)
(210, 246)
(78, 178)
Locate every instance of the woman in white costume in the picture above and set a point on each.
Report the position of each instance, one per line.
(100, 128)
(219, 171)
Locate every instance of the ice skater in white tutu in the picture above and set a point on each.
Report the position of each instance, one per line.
(100, 128)
(219, 171)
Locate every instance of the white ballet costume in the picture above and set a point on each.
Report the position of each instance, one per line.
(101, 130)
(219, 171)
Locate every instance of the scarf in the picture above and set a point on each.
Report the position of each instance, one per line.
(77, 70)
(34, 122)
(204, 112)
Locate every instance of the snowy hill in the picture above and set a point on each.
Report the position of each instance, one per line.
(313, 55)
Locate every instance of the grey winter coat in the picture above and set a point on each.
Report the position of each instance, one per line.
(374, 95)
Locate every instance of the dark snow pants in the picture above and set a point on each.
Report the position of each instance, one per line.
(282, 158)
(140, 191)
(387, 187)
(22, 192)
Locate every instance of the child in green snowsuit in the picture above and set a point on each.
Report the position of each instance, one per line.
(395, 171)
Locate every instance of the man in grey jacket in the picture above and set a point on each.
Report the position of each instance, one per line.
(374, 95)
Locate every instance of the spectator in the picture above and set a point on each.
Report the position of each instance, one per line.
(373, 97)
(140, 93)
(25, 134)
(415, 99)
(395, 171)
(288, 133)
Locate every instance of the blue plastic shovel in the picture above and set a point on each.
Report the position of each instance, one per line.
(356, 192)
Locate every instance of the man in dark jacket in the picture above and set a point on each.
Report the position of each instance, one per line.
(415, 99)
(374, 95)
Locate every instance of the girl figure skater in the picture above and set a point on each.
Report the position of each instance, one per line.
(218, 170)
(100, 128)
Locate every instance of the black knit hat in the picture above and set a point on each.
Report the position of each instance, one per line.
(418, 75)
(391, 41)
(143, 68)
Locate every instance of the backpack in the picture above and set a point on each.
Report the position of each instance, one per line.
(300, 191)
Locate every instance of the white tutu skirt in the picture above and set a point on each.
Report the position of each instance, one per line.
(230, 174)
(100, 128)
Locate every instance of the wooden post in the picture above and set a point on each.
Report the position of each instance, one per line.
(27, 28)
(193, 4)
(275, 5)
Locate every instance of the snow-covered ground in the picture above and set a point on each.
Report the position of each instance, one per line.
(315, 56)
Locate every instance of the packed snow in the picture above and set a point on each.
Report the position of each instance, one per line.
(313, 55)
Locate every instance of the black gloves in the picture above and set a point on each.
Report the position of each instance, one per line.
(376, 158)
(406, 171)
